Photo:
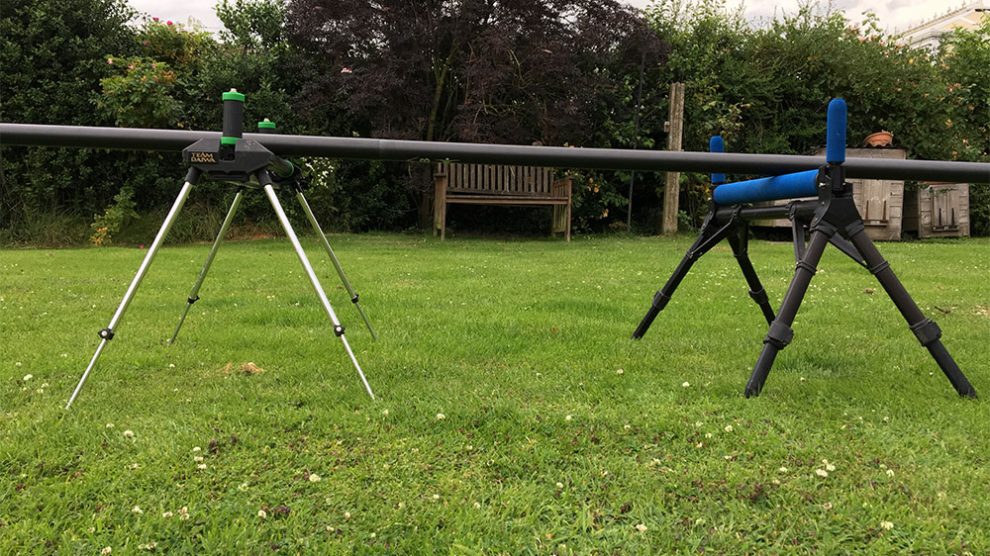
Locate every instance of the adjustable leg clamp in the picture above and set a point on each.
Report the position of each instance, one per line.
(927, 332)
(660, 300)
(779, 335)
(760, 297)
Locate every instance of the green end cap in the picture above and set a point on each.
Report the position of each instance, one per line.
(233, 95)
(266, 124)
(228, 140)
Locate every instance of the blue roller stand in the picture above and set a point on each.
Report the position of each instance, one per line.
(787, 186)
(717, 145)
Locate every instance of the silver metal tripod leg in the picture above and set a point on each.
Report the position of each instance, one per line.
(194, 293)
(265, 180)
(107, 333)
(333, 258)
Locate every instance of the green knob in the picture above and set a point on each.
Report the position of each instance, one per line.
(233, 95)
(266, 124)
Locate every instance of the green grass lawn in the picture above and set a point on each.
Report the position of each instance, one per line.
(514, 416)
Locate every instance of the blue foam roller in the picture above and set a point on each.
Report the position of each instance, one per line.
(787, 186)
(835, 134)
(717, 145)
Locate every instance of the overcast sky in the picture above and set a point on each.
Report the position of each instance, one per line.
(893, 14)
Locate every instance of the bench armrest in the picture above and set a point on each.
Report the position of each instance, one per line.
(563, 187)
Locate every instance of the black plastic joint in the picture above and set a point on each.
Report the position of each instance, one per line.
(807, 266)
(823, 226)
(660, 299)
(759, 297)
(105, 334)
(884, 265)
(192, 300)
(779, 335)
(355, 298)
(338, 330)
(927, 332)
(855, 228)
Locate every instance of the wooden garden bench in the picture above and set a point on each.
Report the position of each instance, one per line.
(495, 184)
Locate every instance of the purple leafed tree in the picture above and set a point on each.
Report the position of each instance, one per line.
(507, 71)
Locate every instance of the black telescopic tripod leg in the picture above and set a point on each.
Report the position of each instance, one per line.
(662, 297)
(338, 330)
(739, 244)
(107, 333)
(927, 332)
(780, 333)
(194, 293)
(711, 234)
(333, 258)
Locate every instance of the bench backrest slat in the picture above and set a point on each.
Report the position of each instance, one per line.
(498, 179)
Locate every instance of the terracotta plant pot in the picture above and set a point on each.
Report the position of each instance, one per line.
(879, 139)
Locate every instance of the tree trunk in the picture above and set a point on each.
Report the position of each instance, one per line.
(423, 182)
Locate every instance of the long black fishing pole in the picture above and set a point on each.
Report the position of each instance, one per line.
(560, 157)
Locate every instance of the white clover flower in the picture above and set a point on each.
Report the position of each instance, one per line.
(619, 371)
(137, 510)
(709, 435)
(198, 459)
(106, 550)
(783, 470)
(184, 513)
(436, 496)
(698, 424)
(890, 472)
(441, 416)
(262, 514)
(477, 505)
(569, 418)
(821, 473)
(134, 465)
(314, 478)
(641, 528)
(201, 466)
(27, 377)
(167, 515)
(18, 364)
(827, 506)
(128, 434)
(151, 546)
(686, 384)
(627, 426)
(109, 425)
(559, 485)
(347, 515)
(728, 428)
(196, 448)
(385, 413)
(888, 525)
(242, 487)
(699, 445)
